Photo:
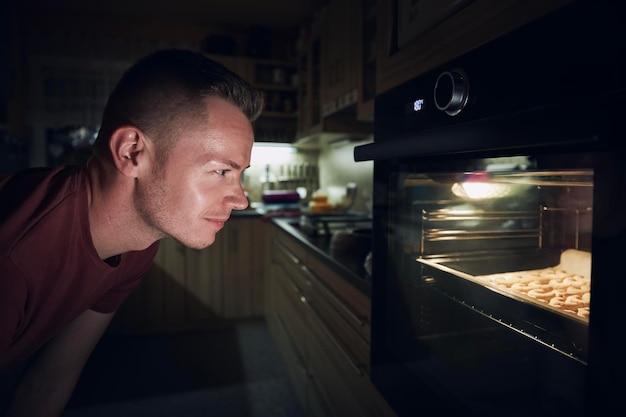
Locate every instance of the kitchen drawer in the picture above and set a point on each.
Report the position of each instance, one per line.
(322, 323)
(290, 329)
(290, 322)
(291, 245)
(294, 363)
(351, 305)
(341, 329)
(291, 261)
(293, 315)
(345, 391)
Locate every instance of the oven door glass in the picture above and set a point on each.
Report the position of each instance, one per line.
(492, 260)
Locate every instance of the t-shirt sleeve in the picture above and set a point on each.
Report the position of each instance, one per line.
(135, 266)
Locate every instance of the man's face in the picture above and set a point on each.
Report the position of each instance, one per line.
(191, 195)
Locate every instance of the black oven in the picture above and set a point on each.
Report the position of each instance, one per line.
(499, 225)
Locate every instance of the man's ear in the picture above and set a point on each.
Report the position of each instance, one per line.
(127, 144)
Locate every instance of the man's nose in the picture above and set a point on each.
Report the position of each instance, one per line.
(240, 199)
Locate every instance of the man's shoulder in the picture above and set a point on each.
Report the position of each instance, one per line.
(30, 195)
(21, 184)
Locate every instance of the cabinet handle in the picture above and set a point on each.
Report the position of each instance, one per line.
(288, 253)
(358, 368)
(293, 285)
(360, 320)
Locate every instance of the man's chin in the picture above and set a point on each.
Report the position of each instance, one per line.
(197, 244)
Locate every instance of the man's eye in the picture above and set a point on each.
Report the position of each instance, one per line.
(221, 172)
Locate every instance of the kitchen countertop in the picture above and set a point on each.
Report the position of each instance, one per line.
(346, 264)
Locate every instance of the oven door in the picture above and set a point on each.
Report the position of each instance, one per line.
(489, 277)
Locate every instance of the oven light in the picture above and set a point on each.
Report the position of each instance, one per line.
(477, 187)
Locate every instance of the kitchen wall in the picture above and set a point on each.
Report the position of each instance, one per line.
(337, 168)
(330, 166)
(275, 166)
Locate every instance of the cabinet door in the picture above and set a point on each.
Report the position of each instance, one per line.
(158, 303)
(417, 36)
(366, 48)
(166, 295)
(309, 75)
(289, 328)
(321, 324)
(242, 274)
(344, 389)
(340, 57)
(188, 288)
(342, 312)
(285, 313)
(203, 283)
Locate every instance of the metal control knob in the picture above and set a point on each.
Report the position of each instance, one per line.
(452, 91)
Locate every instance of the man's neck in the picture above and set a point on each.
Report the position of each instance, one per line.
(115, 226)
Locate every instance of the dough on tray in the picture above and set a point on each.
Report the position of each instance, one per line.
(565, 287)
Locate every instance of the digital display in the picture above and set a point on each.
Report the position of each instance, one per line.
(415, 106)
(418, 104)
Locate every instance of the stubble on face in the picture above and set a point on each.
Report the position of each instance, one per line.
(161, 212)
(150, 197)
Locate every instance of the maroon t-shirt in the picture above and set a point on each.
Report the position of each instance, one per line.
(50, 271)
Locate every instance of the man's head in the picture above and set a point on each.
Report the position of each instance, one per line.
(165, 91)
(177, 131)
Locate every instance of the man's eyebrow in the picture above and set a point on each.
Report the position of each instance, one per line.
(234, 165)
(228, 162)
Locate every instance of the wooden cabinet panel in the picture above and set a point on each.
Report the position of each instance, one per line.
(242, 272)
(347, 328)
(366, 49)
(350, 304)
(330, 73)
(189, 288)
(349, 392)
(327, 321)
(203, 283)
(288, 326)
(430, 33)
(339, 59)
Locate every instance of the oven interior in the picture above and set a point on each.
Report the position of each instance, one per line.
(493, 264)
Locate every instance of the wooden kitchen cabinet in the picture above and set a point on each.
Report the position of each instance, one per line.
(329, 71)
(242, 277)
(339, 58)
(417, 36)
(366, 49)
(309, 96)
(158, 302)
(321, 324)
(188, 288)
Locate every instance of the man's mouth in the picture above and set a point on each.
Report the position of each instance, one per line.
(218, 222)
